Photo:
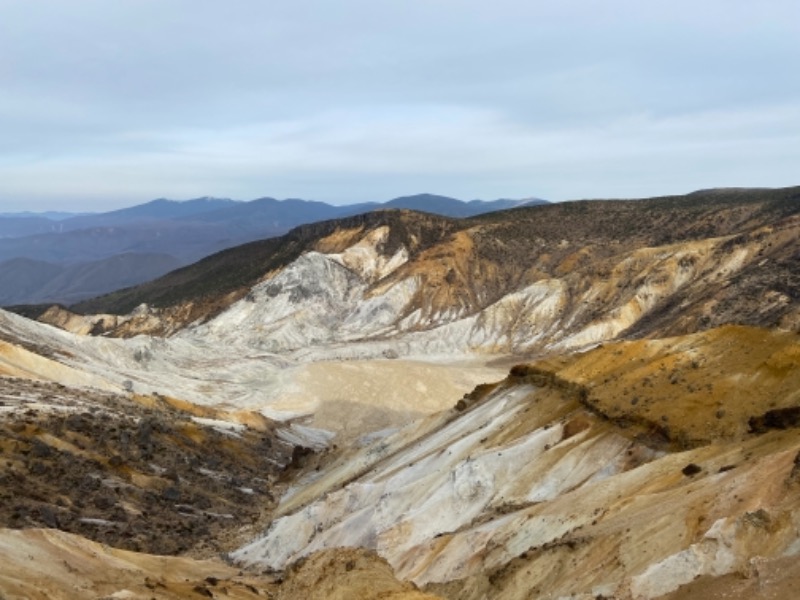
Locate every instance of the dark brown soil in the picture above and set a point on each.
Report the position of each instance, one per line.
(138, 477)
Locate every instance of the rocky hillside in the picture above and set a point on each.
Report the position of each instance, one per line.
(334, 409)
(532, 279)
(633, 470)
(95, 480)
(606, 474)
(133, 472)
(143, 472)
(204, 289)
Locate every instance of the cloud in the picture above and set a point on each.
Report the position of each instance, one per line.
(347, 155)
(110, 103)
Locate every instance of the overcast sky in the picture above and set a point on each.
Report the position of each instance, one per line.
(106, 103)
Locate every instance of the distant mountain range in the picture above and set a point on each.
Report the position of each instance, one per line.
(37, 282)
(66, 257)
(52, 215)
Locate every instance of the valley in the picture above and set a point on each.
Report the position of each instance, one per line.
(594, 399)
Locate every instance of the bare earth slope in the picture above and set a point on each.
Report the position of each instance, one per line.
(52, 565)
(206, 287)
(595, 474)
(541, 486)
(145, 473)
(135, 472)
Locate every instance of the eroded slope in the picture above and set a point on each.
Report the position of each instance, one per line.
(53, 565)
(537, 487)
(447, 302)
(147, 473)
(628, 470)
(713, 386)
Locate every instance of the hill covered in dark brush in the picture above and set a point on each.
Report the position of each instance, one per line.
(183, 232)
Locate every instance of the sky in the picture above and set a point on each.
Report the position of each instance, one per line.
(108, 104)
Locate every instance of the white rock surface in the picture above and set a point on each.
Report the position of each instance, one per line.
(522, 474)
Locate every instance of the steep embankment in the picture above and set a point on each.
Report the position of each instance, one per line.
(556, 482)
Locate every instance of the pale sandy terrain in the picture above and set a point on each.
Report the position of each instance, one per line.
(350, 397)
(41, 564)
(44, 564)
(353, 398)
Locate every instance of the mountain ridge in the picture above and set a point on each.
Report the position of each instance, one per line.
(185, 230)
(466, 267)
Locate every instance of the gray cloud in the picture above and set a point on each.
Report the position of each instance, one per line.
(107, 103)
